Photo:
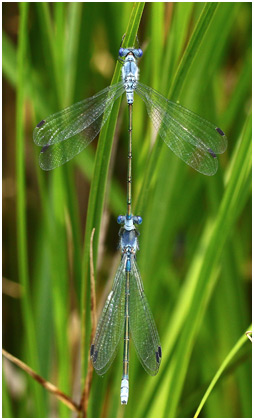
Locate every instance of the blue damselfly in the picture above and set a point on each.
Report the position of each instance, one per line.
(65, 134)
(126, 313)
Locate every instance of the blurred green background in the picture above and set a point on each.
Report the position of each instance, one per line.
(195, 242)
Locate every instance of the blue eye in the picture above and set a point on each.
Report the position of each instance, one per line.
(120, 219)
(137, 220)
(121, 52)
(138, 53)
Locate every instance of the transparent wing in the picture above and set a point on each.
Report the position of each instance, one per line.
(192, 138)
(142, 326)
(111, 324)
(65, 134)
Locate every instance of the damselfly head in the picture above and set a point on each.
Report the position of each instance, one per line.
(129, 222)
(137, 52)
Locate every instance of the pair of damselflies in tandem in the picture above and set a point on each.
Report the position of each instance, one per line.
(196, 141)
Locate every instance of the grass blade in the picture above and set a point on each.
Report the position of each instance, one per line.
(21, 208)
(242, 340)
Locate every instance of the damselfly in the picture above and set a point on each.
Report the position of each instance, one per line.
(126, 312)
(66, 133)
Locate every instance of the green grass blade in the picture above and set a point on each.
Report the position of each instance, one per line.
(71, 49)
(192, 49)
(9, 59)
(51, 48)
(157, 17)
(21, 211)
(179, 27)
(242, 340)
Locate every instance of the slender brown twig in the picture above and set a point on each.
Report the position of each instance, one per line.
(47, 385)
(88, 382)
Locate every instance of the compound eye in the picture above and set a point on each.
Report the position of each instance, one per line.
(138, 53)
(137, 220)
(120, 220)
(121, 52)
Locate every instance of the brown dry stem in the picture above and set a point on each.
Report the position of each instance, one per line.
(47, 385)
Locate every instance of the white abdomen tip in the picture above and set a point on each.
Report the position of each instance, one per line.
(124, 391)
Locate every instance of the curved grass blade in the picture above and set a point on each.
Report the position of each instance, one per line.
(192, 48)
(221, 369)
